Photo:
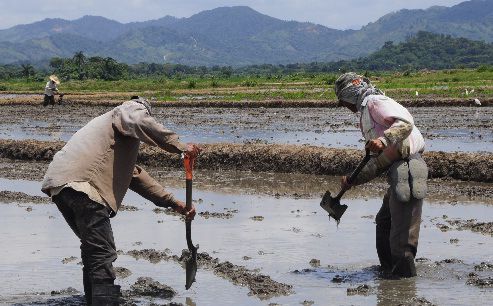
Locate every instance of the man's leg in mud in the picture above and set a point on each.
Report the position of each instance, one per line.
(404, 235)
(383, 221)
(90, 221)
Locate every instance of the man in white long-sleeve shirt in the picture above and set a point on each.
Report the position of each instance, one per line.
(50, 90)
(389, 128)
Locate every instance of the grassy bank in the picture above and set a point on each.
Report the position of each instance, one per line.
(453, 84)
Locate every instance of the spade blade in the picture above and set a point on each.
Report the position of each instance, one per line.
(191, 267)
(333, 206)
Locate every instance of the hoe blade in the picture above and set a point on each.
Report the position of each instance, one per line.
(333, 206)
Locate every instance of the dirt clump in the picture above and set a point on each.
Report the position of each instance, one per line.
(122, 272)
(360, 290)
(443, 227)
(484, 266)
(417, 301)
(167, 211)
(475, 280)
(260, 285)
(485, 228)
(449, 261)
(69, 259)
(150, 255)
(315, 262)
(67, 291)
(146, 286)
(257, 218)
(128, 208)
(219, 215)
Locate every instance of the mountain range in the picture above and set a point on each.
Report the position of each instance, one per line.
(234, 36)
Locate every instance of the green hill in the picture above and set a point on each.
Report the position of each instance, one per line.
(235, 36)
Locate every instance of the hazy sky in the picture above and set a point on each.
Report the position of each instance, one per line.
(339, 14)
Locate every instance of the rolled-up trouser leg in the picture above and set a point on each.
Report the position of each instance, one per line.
(404, 234)
(90, 222)
(383, 221)
(86, 280)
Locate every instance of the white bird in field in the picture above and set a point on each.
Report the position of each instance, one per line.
(477, 102)
(467, 92)
(417, 94)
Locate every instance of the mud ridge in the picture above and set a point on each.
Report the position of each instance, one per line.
(20, 197)
(114, 99)
(260, 285)
(274, 158)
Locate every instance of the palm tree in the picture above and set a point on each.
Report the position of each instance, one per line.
(79, 60)
(27, 70)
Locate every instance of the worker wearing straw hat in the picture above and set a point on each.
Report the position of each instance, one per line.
(50, 90)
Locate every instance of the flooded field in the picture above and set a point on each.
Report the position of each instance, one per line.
(263, 238)
(286, 238)
(467, 129)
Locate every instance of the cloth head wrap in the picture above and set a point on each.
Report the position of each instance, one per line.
(144, 102)
(353, 88)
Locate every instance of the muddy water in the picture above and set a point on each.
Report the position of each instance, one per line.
(283, 245)
(446, 129)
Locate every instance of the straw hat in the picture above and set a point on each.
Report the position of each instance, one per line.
(55, 79)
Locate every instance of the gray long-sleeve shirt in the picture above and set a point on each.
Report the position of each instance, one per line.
(104, 154)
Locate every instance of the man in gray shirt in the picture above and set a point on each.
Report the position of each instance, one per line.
(90, 175)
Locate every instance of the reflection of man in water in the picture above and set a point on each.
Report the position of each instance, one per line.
(401, 292)
(389, 128)
(50, 90)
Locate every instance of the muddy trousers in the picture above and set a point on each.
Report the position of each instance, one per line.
(90, 222)
(397, 234)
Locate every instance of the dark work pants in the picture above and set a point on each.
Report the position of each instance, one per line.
(90, 222)
(397, 234)
(48, 100)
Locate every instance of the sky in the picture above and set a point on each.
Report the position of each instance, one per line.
(337, 14)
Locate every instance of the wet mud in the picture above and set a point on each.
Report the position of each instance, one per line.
(445, 129)
(259, 285)
(279, 185)
(275, 158)
(20, 197)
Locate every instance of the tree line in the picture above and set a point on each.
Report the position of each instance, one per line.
(421, 51)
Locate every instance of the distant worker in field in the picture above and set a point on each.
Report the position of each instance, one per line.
(389, 128)
(51, 90)
(90, 175)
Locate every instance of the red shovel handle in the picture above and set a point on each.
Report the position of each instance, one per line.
(188, 162)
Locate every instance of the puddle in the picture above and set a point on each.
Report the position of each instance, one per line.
(292, 233)
(464, 129)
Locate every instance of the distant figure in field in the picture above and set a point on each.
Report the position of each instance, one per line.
(51, 90)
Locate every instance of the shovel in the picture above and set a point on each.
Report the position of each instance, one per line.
(333, 205)
(191, 261)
